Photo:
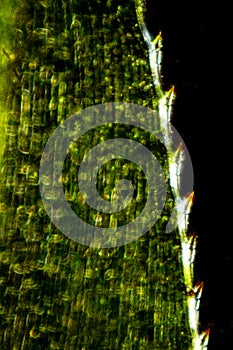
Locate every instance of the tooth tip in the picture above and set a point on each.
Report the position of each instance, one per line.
(205, 336)
(200, 285)
(172, 89)
(193, 237)
(198, 289)
(158, 38)
(190, 196)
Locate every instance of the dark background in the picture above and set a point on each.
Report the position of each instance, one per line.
(196, 47)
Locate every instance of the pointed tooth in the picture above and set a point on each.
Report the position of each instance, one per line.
(198, 292)
(204, 338)
(171, 97)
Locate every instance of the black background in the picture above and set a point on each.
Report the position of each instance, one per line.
(196, 48)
